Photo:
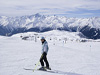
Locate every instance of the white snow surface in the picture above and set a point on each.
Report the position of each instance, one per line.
(71, 58)
(55, 34)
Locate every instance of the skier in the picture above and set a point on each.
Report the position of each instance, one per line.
(43, 58)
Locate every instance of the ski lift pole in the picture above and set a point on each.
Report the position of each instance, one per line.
(35, 37)
(90, 48)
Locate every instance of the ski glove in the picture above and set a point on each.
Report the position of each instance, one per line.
(44, 54)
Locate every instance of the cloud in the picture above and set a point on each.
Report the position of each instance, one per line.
(54, 7)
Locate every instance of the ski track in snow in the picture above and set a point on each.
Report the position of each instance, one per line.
(71, 58)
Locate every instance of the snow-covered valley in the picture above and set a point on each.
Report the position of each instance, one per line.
(70, 58)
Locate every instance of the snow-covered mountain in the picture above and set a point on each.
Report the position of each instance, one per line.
(90, 27)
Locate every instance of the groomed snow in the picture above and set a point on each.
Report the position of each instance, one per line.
(72, 58)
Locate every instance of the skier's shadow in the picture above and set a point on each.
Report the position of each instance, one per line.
(64, 73)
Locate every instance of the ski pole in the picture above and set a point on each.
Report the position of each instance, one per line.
(36, 66)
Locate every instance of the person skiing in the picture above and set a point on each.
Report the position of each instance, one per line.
(45, 49)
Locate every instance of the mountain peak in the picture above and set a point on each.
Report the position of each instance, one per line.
(37, 15)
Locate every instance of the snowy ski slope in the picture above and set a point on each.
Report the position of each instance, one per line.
(70, 58)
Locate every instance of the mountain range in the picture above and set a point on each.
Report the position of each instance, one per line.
(89, 27)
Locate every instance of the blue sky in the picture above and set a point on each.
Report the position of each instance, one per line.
(68, 8)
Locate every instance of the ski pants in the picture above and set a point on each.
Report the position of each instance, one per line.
(44, 59)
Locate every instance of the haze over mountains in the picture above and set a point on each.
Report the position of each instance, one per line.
(89, 27)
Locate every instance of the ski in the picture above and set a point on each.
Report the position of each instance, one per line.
(44, 70)
(34, 69)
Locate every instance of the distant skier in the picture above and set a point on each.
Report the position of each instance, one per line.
(43, 58)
